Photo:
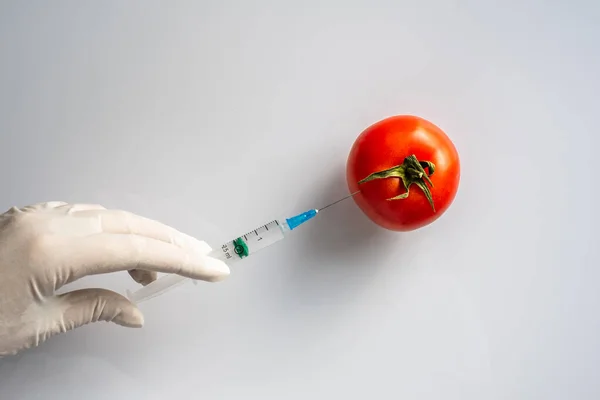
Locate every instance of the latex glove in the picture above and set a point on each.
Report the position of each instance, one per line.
(46, 246)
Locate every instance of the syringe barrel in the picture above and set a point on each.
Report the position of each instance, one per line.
(230, 252)
(156, 288)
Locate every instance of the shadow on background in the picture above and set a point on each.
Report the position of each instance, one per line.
(337, 256)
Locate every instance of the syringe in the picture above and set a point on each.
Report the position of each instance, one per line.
(235, 250)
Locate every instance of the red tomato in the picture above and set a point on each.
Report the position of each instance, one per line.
(399, 153)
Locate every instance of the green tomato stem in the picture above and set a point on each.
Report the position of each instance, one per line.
(411, 171)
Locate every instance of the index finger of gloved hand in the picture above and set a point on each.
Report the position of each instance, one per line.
(78, 207)
(107, 252)
(44, 205)
(117, 221)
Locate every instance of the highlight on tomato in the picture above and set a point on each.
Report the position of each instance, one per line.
(407, 171)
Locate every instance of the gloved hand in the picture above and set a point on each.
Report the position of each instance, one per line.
(45, 246)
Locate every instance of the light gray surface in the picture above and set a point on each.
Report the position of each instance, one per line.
(170, 110)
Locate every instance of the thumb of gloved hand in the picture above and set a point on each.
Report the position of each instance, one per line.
(81, 307)
(73, 310)
(46, 246)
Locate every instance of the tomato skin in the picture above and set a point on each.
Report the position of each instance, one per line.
(386, 144)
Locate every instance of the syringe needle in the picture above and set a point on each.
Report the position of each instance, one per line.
(337, 201)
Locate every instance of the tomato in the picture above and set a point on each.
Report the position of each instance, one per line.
(407, 171)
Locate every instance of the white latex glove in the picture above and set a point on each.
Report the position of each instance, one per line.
(45, 246)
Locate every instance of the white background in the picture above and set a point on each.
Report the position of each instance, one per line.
(217, 116)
